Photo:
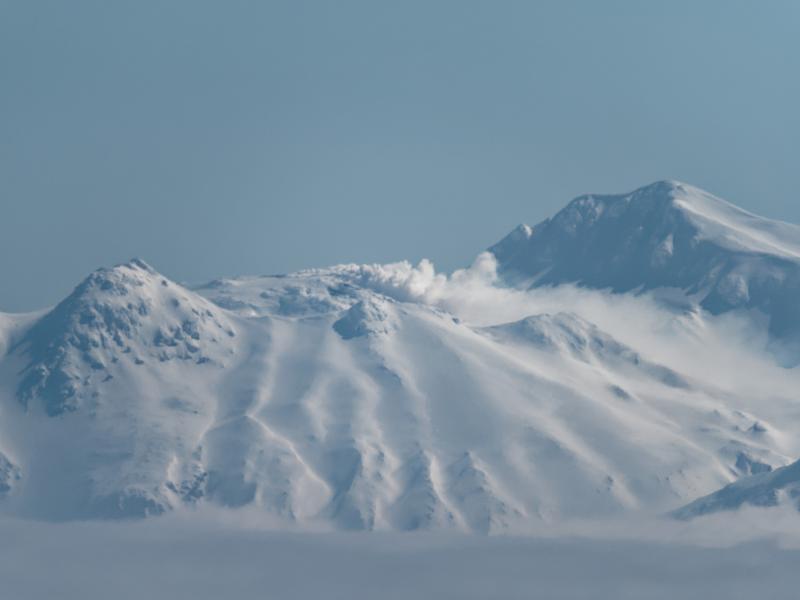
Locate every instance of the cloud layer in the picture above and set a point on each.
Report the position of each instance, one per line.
(205, 556)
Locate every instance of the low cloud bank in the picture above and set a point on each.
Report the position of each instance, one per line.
(214, 555)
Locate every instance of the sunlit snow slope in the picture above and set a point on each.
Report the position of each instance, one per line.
(389, 397)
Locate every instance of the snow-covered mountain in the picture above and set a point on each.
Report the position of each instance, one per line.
(667, 234)
(392, 397)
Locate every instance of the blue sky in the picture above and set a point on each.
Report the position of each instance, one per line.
(224, 138)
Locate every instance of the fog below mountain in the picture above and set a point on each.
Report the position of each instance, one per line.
(217, 555)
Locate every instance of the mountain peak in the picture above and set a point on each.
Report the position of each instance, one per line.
(665, 234)
(665, 186)
(658, 195)
(123, 280)
(138, 263)
(124, 314)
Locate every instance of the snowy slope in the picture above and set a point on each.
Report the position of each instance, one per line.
(768, 488)
(109, 394)
(387, 396)
(667, 234)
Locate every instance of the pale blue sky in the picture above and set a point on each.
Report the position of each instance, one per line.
(224, 138)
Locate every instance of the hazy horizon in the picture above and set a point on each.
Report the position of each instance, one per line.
(264, 138)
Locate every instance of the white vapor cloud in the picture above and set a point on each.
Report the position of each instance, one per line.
(728, 349)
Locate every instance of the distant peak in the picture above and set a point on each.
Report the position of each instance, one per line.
(663, 189)
(118, 280)
(664, 234)
(663, 185)
(134, 268)
(659, 195)
(670, 188)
